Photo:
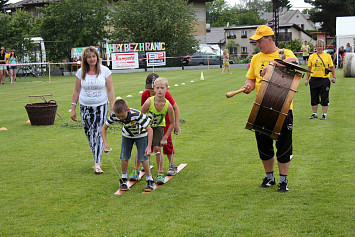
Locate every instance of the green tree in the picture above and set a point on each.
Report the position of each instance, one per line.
(248, 12)
(72, 23)
(329, 10)
(156, 21)
(217, 13)
(309, 11)
(284, 3)
(16, 31)
(257, 6)
(250, 18)
(294, 45)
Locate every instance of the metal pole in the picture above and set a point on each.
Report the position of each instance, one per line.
(276, 19)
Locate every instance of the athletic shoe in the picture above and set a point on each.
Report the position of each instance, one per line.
(324, 117)
(283, 187)
(134, 175)
(160, 178)
(267, 183)
(123, 184)
(313, 116)
(150, 186)
(172, 170)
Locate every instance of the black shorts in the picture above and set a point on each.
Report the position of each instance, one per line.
(283, 143)
(305, 58)
(158, 134)
(319, 87)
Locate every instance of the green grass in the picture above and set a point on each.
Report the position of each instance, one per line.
(48, 187)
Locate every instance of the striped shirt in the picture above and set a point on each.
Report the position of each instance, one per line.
(135, 126)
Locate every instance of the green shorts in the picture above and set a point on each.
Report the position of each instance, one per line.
(158, 134)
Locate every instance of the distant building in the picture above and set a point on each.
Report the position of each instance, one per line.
(290, 17)
(200, 24)
(27, 6)
(238, 36)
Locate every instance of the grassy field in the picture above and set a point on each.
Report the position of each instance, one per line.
(48, 187)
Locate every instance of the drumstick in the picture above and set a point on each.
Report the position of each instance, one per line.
(233, 93)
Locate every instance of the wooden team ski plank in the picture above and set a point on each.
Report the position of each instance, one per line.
(131, 183)
(167, 178)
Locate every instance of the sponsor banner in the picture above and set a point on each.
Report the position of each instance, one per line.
(76, 53)
(125, 60)
(136, 47)
(156, 59)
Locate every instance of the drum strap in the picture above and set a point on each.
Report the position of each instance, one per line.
(282, 54)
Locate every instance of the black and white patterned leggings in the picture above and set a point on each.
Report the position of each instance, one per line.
(93, 118)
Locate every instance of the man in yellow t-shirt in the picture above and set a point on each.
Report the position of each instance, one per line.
(7, 59)
(265, 41)
(305, 52)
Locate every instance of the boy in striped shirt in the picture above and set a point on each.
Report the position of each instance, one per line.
(136, 129)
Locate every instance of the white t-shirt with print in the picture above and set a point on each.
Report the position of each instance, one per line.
(93, 89)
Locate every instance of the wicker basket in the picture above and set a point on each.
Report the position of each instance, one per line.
(42, 113)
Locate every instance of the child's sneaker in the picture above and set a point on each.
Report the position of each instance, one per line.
(172, 170)
(160, 178)
(123, 184)
(134, 175)
(150, 186)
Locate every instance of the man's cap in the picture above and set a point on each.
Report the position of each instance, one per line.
(262, 31)
(149, 82)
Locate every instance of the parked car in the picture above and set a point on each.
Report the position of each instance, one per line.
(201, 59)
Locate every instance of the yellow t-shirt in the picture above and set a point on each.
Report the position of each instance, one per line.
(317, 65)
(7, 56)
(261, 60)
(307, 48)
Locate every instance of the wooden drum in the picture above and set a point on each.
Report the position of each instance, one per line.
(273, 101)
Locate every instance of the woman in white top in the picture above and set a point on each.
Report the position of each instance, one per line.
(93, 86)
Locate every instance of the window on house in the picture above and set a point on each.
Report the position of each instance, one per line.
(231, 35)
(244, 34)
(244, 49)
(233, 50)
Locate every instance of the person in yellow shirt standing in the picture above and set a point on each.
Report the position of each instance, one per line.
(265, 41)
(320, 64)
(305, 52)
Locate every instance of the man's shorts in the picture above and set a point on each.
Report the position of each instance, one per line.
(283, 143)
(158, 134)
(305, 58)
(127, 145)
